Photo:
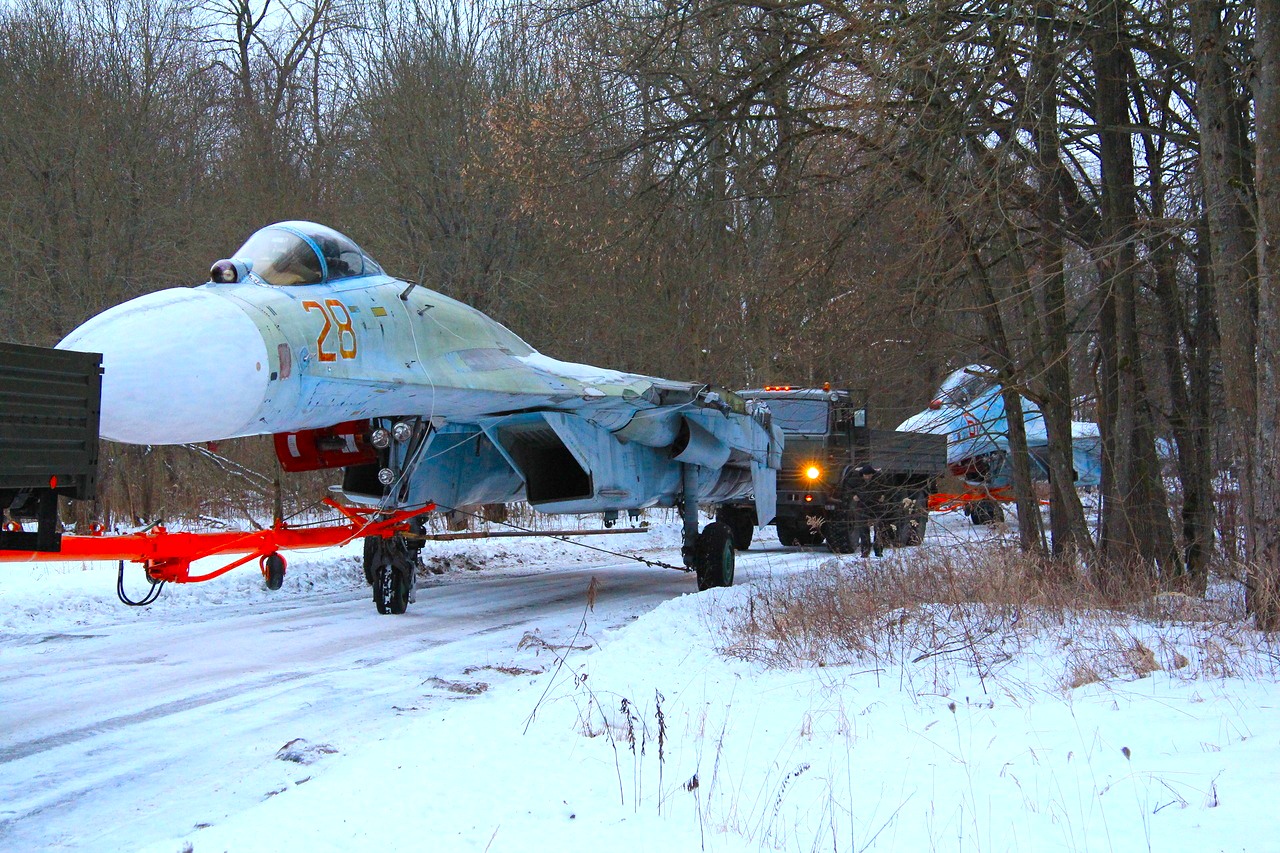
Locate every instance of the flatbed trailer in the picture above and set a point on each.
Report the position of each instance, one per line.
(50, 408)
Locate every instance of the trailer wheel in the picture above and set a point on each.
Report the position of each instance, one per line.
(741, 522)
(713, 556)
(272, 566)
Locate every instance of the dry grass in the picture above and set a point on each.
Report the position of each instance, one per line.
(464, 688)
(981, 609)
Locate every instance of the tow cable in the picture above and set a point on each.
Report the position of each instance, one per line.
(657, 564)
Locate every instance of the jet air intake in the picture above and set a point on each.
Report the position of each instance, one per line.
(652, 428)
(694, 445)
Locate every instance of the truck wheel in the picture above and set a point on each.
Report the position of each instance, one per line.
(741, 522)
(840, 532)
(788, 534)
(713, 556)
(917, 521)
(812, 535)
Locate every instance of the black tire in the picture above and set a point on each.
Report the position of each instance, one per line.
(841, 532)
(372, 551)
(390, 590)
(273, 571)
(389, 566)
(741, 522)
(788, 534)
(812, 535)
(383, 587)
(917, 522)
(714, 556)
(985, 512)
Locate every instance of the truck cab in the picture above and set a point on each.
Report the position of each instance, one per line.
(827, 435)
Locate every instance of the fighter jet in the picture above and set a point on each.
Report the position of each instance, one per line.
(419, 399)
(969, 409)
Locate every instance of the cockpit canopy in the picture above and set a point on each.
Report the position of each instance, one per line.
(297, 253)
(966, 385)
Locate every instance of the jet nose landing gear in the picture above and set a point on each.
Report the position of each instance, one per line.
(389, 568)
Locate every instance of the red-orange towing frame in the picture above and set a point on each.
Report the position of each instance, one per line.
(168, 556)
(949, 503)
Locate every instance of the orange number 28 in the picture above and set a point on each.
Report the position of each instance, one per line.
(337, 322)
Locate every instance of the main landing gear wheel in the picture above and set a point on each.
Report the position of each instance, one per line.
(272, 566)
(714, 556)
(372, 552)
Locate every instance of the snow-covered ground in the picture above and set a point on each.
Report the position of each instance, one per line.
(503, 713)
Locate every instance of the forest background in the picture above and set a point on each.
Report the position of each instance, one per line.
(1081, 195)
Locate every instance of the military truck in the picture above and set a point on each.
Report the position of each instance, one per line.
(826, 437)
(50, 402)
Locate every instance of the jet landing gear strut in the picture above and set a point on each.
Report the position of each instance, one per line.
(710, 553)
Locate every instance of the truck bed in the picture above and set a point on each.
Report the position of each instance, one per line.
(901, 452)
(50, 402)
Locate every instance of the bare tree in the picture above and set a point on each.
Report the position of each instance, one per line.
(1264, 580)
(108, 103)
(278, 109)
(1227, 179)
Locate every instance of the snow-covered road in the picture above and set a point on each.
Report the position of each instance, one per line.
(142, 727)
(229, 718)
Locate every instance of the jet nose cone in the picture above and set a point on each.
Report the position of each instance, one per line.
(179, 366)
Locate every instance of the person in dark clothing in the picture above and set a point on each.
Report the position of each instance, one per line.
(868, 498)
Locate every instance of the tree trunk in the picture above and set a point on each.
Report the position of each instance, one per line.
(1189, 416)
(1135, 520)
(1264, 581)
(1070, 532)
(1179, 335)
(1224, 174)
(1030, 530)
